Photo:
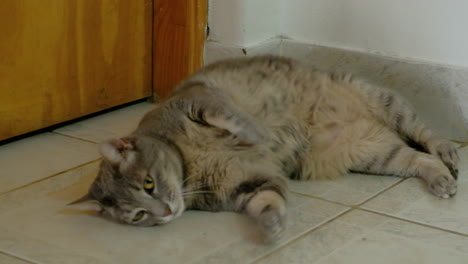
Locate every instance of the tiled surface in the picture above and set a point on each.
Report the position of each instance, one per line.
(40, 156)
(409, 200)
(5, 259)
(304, 215)
(351, 189)
(362, 237)
(111, 125)
(56, 233)
(36, 225)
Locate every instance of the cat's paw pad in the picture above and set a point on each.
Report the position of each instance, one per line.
(444, 186)
(272, 225)
(447, 152)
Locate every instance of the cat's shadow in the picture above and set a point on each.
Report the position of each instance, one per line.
(74, 211)
(249, 230)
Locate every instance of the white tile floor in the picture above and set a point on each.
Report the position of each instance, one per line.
(355, 219)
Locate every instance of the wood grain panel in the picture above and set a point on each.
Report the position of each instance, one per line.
(179, 37)
(64, 59)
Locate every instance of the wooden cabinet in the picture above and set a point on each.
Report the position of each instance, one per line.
(62, 59)
(179, 37)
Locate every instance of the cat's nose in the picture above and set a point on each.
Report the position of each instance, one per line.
(168, 211)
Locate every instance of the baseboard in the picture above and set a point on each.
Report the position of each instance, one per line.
(216, 51)
(439, 93)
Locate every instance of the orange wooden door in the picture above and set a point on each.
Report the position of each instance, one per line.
(62, 59)
(179, 33)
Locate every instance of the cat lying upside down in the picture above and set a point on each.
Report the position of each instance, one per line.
(230, 135)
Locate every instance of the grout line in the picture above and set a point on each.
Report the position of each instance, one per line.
(413, 222)
(292, 241)
(320, 198)
(48, 177)
(348, 205)
(459, 142)
(2, 252)
(381, 192)
(351, 209)
(78, 138)
(358, 207)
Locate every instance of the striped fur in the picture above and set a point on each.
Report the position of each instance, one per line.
(230, 134)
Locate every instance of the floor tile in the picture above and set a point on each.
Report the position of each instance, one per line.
(36, 224)
(5, 259)
(351, 189)
(411, 200)
(362, 237)
(300, 220)
(110, 125)
(34, 158)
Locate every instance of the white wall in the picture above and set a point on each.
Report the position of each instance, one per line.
(429, 30)
(226, 21)
(426, 30)
(243, 23)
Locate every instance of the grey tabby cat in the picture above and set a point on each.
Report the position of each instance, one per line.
(229, 137)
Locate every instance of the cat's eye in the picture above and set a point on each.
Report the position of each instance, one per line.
(148, 185)
(138, 216)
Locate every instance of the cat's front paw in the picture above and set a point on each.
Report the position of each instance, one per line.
(272, 224)
(447, 152)
(444, 186)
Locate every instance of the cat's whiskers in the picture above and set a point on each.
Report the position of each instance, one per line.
(195, 186)
(197, 192)
(198, 186)
(188, 178)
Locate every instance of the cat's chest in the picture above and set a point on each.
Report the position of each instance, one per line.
(221, 161)
(218, 160)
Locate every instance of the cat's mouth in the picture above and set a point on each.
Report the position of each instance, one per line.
(176, 210)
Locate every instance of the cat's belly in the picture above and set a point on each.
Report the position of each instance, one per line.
(213, 174)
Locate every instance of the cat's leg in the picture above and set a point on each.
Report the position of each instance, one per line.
(394, 157)
(213, 107)
(263, 199)
(400, 117)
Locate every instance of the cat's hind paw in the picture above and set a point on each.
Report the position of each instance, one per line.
(447, 153)
(444, 186)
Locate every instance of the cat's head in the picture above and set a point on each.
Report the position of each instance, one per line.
(139, 182)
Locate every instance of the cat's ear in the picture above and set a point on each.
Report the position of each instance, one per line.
(86, 203)
(116, 150)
